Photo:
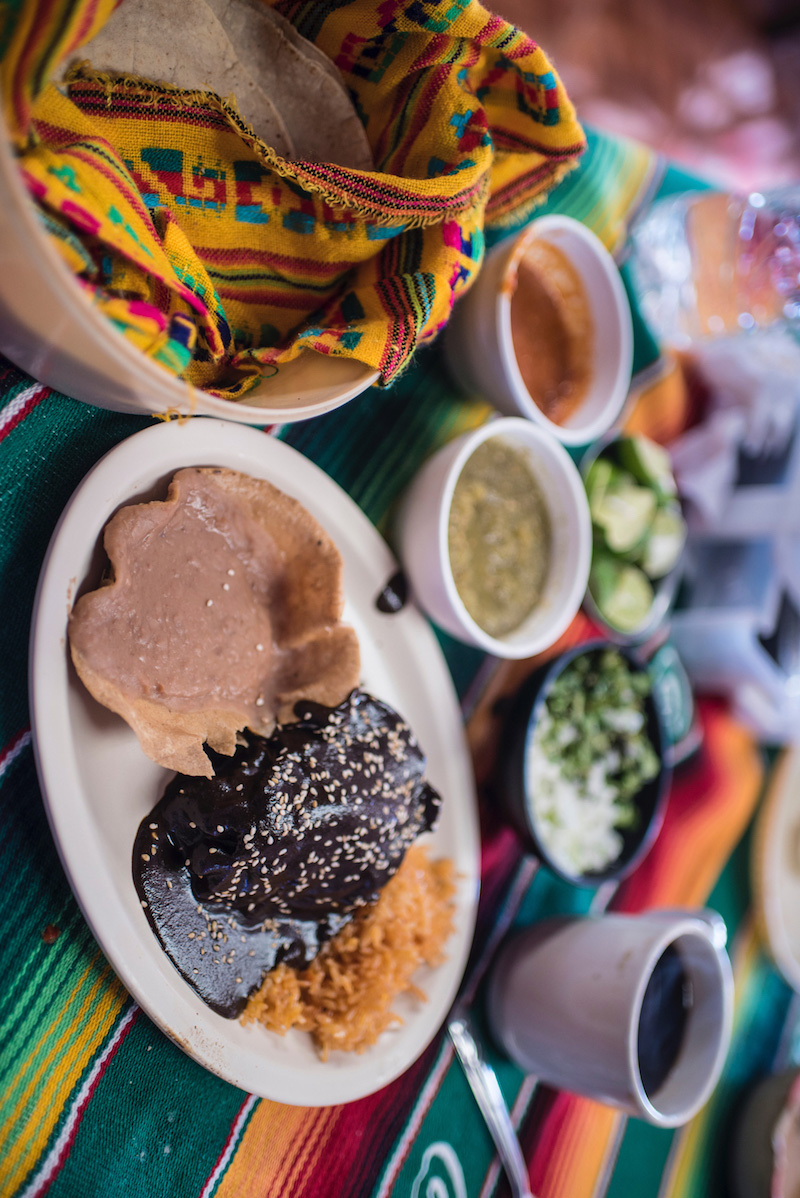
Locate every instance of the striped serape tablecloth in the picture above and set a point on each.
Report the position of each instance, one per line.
(95, 1100)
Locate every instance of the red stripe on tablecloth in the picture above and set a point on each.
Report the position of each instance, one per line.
(21, 406)
(13, 749)
(385, 1116)
(237, 1127)
(311, 1153)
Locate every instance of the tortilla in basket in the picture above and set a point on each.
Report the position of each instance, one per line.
(289, 93)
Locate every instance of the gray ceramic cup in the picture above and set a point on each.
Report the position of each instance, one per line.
(567, 996)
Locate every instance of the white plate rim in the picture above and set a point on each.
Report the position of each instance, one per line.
(130, 467)
(774, 883)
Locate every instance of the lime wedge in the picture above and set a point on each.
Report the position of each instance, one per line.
(598, 480)
(624, 513)
(604, 576)
(665, 542)
(627, 604)
(648, 463)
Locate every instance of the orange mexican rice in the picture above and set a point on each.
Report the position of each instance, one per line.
(344, 997)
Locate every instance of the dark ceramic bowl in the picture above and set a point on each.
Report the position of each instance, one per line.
(517, 731)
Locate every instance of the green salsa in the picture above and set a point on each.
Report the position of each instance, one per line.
(498, 537)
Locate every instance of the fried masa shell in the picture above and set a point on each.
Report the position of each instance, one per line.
(131, 638)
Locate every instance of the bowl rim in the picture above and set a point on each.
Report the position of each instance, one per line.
(618, 393)
(551, 671)
(559, 622)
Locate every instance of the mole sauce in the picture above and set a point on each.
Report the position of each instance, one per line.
(268, 859)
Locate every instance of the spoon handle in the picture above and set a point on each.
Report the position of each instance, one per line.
(486, 1089)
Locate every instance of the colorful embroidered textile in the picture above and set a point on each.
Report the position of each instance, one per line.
(220, 258)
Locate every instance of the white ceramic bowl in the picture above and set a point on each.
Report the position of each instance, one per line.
(49, 328)
(480, 349)
(423, 537)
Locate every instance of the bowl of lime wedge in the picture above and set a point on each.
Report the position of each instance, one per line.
(638, 535)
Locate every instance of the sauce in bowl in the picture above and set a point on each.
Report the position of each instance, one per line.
(498, 537)
(552, 331)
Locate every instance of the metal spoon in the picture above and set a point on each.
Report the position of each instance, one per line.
(486, 1089)
(479, 1073)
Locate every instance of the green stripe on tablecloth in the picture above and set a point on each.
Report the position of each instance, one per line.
(27, 998)
(415, 417)
(37, 977)
(32, 896)
(141, 1088)
(42, 461)
(614, 179)
(166, 1118)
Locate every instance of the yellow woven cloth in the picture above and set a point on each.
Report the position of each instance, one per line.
(222, 259)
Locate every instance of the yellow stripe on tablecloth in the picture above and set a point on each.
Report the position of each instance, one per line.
(328, 1128)
(91, 1022)
(268, 1150)
(583, 1153)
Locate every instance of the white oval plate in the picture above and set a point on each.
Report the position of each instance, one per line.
(775, 865)
(98, 785)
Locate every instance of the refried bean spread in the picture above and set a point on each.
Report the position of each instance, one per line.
(552, 331)
(220, 611)
(190, 617)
